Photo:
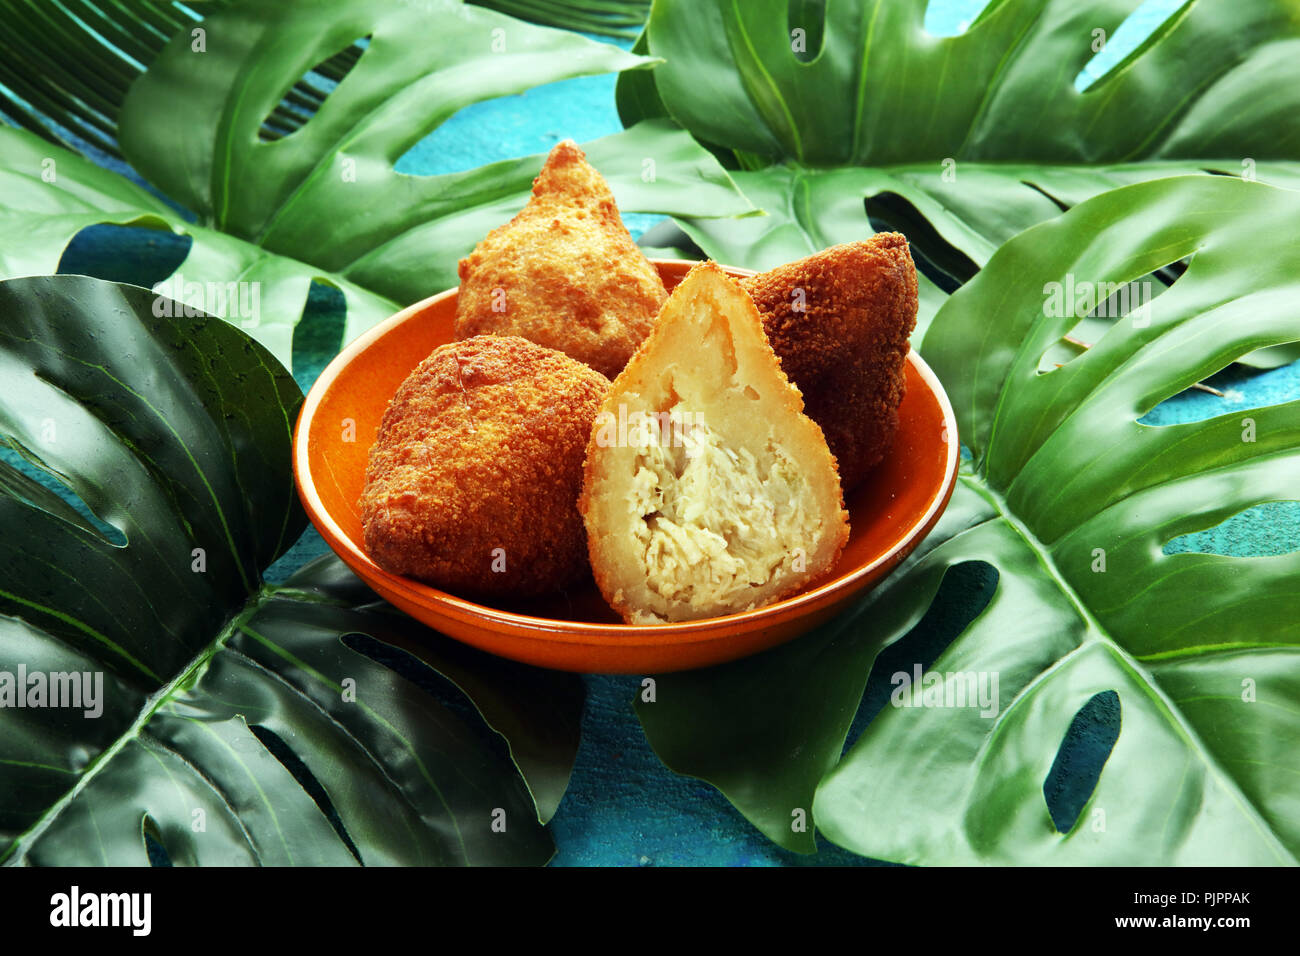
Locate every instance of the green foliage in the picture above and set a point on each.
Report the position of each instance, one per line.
(164, 447)
(97, 49)
(325, 202)
(310, 723)
(962, 141)
(1071, 500)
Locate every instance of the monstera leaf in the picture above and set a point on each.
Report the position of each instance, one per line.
(840, 109)
(328, 194)
(321, 202)
(52, 195)
(1071, 499)
(157, 690)
(100, 50)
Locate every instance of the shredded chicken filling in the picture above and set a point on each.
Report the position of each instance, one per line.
(715, 523)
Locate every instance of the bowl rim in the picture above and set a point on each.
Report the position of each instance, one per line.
(582, 632)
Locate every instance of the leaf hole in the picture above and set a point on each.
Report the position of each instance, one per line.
(1236, 389)
(1083, 753)
(138, 255)
(25, 475)
(502, 128)
(319, 331)
(954, 17)
(1268, 529)
(153, 842)
(964, 592)
(1142, 29)
(306, 779)
(939, 260)
(304, 99)
(1099, 305)
(809, 18)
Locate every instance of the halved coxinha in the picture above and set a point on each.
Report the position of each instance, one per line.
(706, 489)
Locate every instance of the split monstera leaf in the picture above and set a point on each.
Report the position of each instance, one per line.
(215, 676)
(1071, 499)
(959, 142)
(325, 203)
(145, 490)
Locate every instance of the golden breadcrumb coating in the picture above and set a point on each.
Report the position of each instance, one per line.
(707, 491)
(564, 273)
(473, 480)
(840, 321)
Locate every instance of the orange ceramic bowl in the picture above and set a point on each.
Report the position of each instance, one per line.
(889, 513)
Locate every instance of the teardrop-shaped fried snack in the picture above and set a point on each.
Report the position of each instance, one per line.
(839, 321)
(564, 273)
(707, 491)
(473, 480)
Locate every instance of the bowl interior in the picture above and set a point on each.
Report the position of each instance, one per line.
(342, 415)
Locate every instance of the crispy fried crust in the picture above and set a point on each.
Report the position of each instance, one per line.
(708, 355)
(474, 477)
(847, 347)
(564, 273)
